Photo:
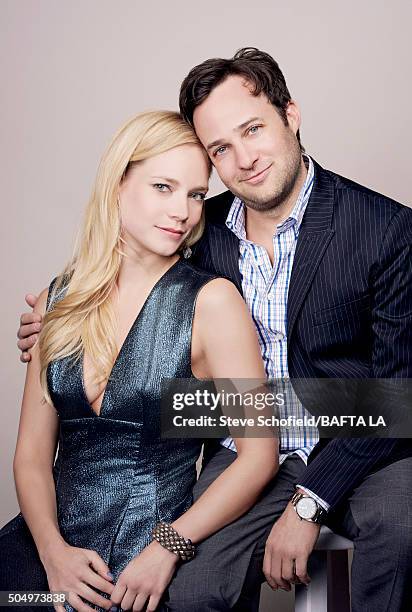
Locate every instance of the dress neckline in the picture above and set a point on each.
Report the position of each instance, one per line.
(121, 350)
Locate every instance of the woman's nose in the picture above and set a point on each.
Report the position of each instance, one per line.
(180, 209)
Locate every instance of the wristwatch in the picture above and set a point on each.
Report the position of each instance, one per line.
(307, 508)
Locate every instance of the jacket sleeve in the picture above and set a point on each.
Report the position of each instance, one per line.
(345, 462)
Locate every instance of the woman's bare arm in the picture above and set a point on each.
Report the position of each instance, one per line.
(69, 569)
(35, 452)
(225, 345)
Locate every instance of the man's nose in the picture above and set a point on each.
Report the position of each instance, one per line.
(245, 157)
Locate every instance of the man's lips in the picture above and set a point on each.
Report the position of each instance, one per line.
(257, 178)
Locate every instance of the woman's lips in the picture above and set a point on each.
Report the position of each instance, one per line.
(258, 178)
(169, 231)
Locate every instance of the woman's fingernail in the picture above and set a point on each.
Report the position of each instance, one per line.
(110, 575)
(113, 609)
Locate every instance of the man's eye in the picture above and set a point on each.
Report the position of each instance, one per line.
(162, 187)
(219, 151)
(199, 196)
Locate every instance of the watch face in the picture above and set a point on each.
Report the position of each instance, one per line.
(306, 507)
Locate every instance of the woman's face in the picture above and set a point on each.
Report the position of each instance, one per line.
(161, 199)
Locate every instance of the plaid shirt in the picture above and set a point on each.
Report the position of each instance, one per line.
(265, 290)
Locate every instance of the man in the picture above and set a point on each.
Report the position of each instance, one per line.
(325, 267)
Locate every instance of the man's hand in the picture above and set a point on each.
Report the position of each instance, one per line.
(30, 326)
(287, 550)
(145, 578)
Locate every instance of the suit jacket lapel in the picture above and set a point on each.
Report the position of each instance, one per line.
(223, 244)
(314, 237)
(224, 251)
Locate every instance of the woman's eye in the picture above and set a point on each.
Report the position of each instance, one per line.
(199, 196)
(254, 129)
(161, 187)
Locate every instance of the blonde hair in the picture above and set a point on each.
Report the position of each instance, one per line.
(83, 321)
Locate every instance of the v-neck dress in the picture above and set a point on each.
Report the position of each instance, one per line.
(115, 476)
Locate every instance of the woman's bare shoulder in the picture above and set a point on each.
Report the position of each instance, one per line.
(219, 293)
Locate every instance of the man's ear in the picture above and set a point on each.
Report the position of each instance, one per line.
(293, 116)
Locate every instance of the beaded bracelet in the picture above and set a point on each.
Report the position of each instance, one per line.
(171, 540)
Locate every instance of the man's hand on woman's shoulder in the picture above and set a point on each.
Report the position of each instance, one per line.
(30, 326)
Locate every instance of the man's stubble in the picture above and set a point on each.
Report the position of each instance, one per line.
(282, 179)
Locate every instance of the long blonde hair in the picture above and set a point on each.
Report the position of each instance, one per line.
(84, 321)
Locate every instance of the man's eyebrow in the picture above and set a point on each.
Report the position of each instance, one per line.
(214, 144)
(245, 123)
(239, 128)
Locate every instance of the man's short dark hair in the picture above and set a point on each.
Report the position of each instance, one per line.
(257, 67)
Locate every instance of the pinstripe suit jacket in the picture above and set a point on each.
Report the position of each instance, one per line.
(349, 307)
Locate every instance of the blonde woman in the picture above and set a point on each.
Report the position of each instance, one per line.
(125, 313)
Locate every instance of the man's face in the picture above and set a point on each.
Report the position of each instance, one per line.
(256, 155)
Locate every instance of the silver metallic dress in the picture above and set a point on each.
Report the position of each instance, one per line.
(115, 476)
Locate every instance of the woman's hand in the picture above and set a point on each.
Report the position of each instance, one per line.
(145, 577)
(75, 571)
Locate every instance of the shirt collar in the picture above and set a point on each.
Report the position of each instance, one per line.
(235, 220)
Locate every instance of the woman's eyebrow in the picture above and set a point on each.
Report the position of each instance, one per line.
(166, 179)
(200, 189)
(176, 182)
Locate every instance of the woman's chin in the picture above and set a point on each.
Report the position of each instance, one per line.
(166, 250)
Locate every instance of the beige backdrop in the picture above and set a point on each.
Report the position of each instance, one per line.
(72, 72)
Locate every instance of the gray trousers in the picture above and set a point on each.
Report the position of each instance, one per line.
(378, 518)
(227, 573)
